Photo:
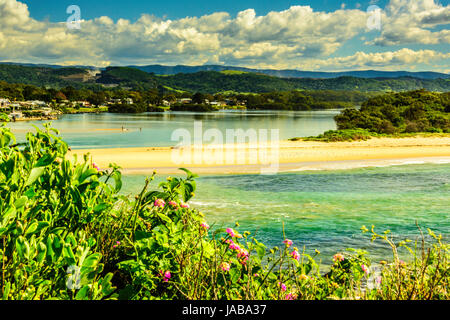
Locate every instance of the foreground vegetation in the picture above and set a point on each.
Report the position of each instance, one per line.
(67, 233)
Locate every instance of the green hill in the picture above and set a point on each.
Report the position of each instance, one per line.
(206, 81)
(128, 77)
(213, 82)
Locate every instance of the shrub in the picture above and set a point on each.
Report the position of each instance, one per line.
(4, 117)
(343, 135)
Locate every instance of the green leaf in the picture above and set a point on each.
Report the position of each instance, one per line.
(100, 207)
(235, 274)
(117, 176)
(86, 174)
(68, 254)
(6, 291)
(46, 160)
(190, 175)
(83, 293)
(32, 228)
(140, 235)
(92, 260)
(21, 202)
(42, 252)
(9, 215)
(163, 217)
(106, 285)
(260, 250)
(35, 174)
(22, 247)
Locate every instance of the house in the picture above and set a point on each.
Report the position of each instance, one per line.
(47, 111)
(16, 115)
(184, 100)
(218, 103)
(4, 103)
(83, 103)
(38, 103)
(114, 101)
(127, 101)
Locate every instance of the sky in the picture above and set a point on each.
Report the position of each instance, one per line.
(323, 35)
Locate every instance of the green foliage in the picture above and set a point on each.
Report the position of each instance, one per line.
(128, 108)
(342, 135)
(66, 233)
(193, 107)
(414, 111)
(4, 117)
(213, 82)
(128, 77)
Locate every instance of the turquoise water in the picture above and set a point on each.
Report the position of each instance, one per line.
(155, 129)
(325, 210)
(321, 210)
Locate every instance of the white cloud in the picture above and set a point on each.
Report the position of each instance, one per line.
(408, 21)
(389, 60)
(298, 37)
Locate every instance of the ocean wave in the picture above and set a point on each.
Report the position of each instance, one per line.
(351, 164)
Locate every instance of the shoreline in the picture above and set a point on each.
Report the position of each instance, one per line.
(288, 156)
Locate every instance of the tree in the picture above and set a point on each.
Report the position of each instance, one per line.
(198, 98)
(97, 98)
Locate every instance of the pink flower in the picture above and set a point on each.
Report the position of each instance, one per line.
(184, 205)
(167, 276)
(338, 257)
(159, 203)
(233, 233)
(117, 244)
(295, 255)
(243, 256)
(282, 286)
(364, 268)
(205, 225)
(225, 266)
(288, 242)
(233, 246)
(173, 204)
(95, 166)
(242, 253)
(291, 296)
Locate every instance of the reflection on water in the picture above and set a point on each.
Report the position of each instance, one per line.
(155, 129)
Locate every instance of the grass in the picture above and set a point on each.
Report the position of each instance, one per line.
(86, 110)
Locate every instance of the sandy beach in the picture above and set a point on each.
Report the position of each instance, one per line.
(286, 156)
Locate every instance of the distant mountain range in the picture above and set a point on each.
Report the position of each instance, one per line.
(238, 80)
(368, 74)
(288, 73)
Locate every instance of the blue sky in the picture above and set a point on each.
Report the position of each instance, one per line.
(175, 9)
(325, 35)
